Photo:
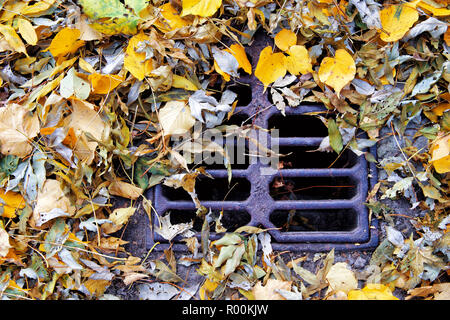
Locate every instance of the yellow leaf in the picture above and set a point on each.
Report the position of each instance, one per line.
(341, 278)
(27, 32)
(136, 62)
(65, 42)
(285, 39)
(97, 287)
(104, 83)
(202, 8)
(238, 52)
(225, 75)
(120, 216)
(396, 21)
(440, 153)
(207, 287)
(85, 66)
(175, 118)
(17, 128)
(372, 291)
(298, 60)
(270, 67)
(183, 83)
(13, 201)
(268, 292)
(125, 190)
(12, 38)
(437, 12)
(51, 197)
(37, 8)
(171, 18)
(337, 72)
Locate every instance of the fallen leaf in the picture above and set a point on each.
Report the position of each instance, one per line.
(440, 154)
(73, 85)
(238, 52)
(298, 61)
(120, 216)
(4, 242)
(341, 278)
(125, 190)
(12, 202)
(52, 202)
(270, 67)
(337, 72)
(285, 39)
(396, 21)
(268, 292)
(104, 83)
(66, 41)
(27, 31)
(136, 60)
(202, 8)
(372, 291)
(12, 38)
(17, 127)
(175, 118)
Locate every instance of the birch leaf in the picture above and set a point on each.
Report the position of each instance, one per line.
(337, 72)
(202, 8)
(396, 21)
(175, 118)
(270, 67)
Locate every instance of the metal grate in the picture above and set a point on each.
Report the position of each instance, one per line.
(307, 214)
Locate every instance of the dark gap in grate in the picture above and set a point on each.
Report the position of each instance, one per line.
(244, 93)
(301, 158)
(315, 220)
(237, 153)
(298, 126)
(231, 219)
(212, 189)
(312, 188)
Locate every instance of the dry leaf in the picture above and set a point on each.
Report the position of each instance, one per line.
(13, 201)
(175, 118)
(285, 39)
(298, 61)
(120, 216)
(270, 67)
(202, 8)
(341, 278)
(268, 292)
(51, 203)
(337, 72)
(136, 60)
(396, 21)
(104, 83)
(66, 41)
(4, 242)
(17, 127)
(12, 38)
(27, 32)
(372, 291)
(440, 154)
(125, 190)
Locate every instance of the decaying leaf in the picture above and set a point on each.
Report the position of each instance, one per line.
(268, 291)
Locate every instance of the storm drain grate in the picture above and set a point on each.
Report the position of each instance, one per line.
(312, 203)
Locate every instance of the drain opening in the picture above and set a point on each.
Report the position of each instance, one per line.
(314, 220)
(244, 93)
(312, 188)
(301, 157)
(298, 126)
(231, 219)
(216, 189)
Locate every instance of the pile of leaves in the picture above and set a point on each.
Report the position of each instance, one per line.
(92, 91)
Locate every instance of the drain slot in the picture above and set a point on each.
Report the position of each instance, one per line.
(301, 157)
(209, 189)
(314, 220)
(298, 126)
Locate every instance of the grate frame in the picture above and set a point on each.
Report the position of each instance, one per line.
(260, 204)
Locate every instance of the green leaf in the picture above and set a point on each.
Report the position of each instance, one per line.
(116, 17)
(335, 136)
